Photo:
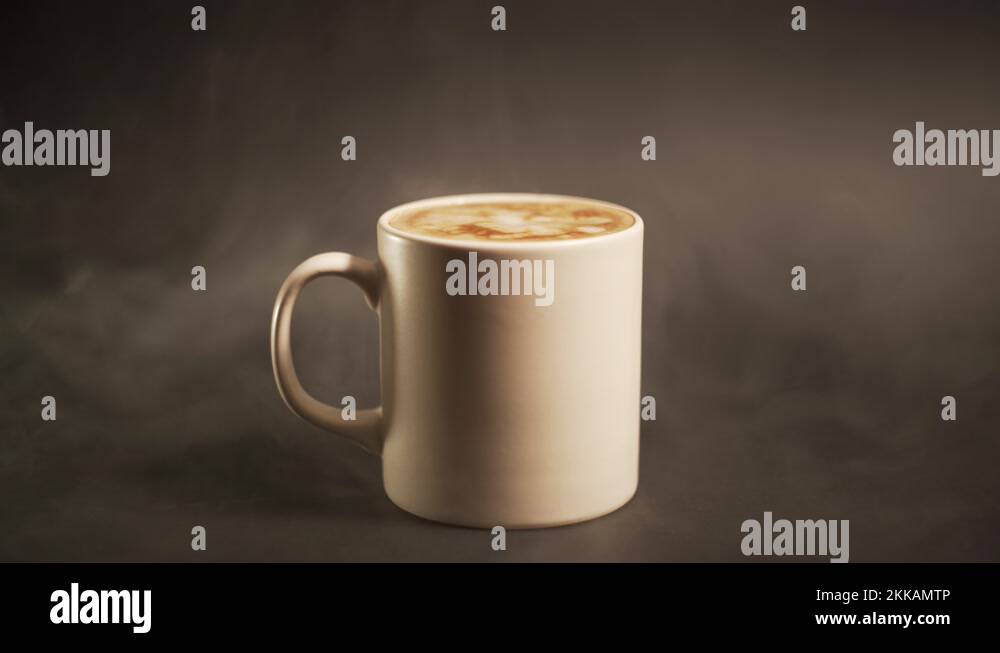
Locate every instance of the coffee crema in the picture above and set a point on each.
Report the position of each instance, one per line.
(514, 221)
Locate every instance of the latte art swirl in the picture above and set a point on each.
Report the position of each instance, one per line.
(514, 221)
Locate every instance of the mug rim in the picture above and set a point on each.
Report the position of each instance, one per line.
(471, 198)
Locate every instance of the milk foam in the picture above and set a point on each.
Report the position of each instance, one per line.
(514, 221)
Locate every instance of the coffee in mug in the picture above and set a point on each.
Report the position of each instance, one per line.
(510, 331)
(514, 221)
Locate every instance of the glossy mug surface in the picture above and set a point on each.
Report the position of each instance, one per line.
(510, 329)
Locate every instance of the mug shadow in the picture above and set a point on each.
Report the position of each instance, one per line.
(260, 473)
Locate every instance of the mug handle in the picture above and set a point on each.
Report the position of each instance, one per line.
(366, 429)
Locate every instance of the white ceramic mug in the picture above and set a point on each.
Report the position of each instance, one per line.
(495, 410)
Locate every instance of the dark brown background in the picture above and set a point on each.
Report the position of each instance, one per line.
(774, 150)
